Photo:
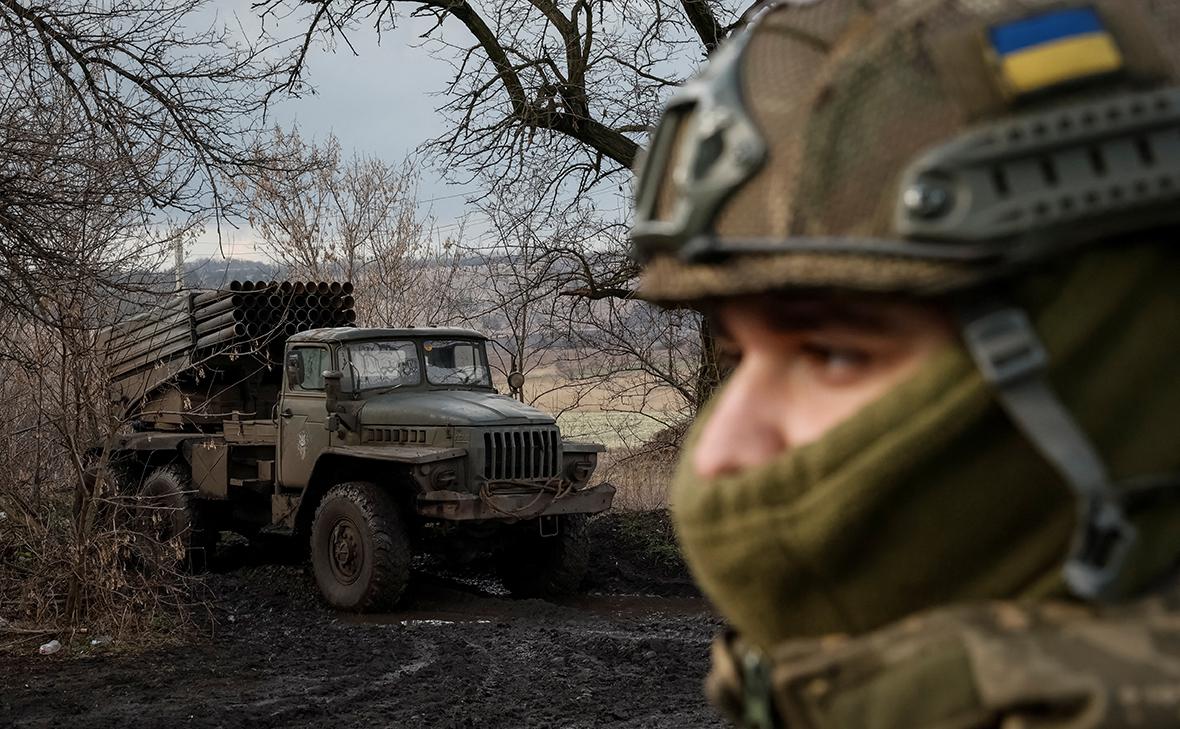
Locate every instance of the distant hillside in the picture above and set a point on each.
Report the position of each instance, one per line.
(211, 273)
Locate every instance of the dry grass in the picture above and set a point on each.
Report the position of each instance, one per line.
(641, 475)
(71, 569)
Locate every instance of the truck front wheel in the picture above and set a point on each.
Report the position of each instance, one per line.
(360, 548)
(532, 565)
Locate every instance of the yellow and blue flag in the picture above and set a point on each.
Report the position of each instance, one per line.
(1046, 50)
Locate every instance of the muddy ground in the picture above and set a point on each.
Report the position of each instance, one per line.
(632, 652)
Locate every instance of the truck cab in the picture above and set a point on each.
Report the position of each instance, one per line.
(421, 401)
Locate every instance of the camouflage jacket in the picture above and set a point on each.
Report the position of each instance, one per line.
(1001, 666)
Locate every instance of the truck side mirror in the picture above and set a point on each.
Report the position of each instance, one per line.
(294, 369)
(515, 380)
(332, 389)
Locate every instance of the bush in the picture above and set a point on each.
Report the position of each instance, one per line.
(71, 567)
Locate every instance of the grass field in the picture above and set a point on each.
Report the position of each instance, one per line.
(624, 410)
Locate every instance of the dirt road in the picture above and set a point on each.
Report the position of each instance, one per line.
(458, 655)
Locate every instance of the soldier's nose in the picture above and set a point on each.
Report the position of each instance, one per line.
(745, 427)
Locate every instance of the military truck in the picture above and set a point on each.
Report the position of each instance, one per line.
(246, 413)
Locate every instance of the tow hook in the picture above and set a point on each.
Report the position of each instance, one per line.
(549, 525)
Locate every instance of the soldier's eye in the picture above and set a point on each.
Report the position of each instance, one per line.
(837, 363)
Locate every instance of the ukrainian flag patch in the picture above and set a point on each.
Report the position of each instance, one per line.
(1046, 50)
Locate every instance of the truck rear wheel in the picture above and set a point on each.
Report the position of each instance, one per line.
(166, 516)
(360, 548)
(532, 565)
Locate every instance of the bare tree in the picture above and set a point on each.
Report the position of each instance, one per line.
(581, 80)
(645, 360)
(117, 122)
(515, 284)
(134, 90)
(561, 92)
(627, 367)
(60, 552)
(355, 218)
(317, 219)
(415, 285)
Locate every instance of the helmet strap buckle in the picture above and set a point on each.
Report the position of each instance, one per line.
(757, 694)
(1097, 561)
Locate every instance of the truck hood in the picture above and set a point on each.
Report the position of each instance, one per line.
(449, 407)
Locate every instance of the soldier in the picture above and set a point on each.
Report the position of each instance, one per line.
(939, 488)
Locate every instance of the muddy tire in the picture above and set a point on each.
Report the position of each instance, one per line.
(166, 520)
(360, 548)
(535, 566)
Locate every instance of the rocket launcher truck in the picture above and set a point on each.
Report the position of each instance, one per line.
(262, 408)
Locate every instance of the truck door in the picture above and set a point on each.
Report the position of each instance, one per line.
(302, 435)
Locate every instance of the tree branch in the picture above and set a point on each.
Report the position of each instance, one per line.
(701, 17)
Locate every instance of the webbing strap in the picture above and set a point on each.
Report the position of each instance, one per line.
(1012, 359)
(757, 692)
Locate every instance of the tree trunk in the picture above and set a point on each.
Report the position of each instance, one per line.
(715, 364)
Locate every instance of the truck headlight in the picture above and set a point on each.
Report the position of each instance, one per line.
(579, 471)
(444, 478)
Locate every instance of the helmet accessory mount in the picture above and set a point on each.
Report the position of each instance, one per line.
(705, 147)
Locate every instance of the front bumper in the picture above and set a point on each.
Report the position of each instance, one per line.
(521, 503)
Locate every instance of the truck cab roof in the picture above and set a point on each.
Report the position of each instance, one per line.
(357, 334)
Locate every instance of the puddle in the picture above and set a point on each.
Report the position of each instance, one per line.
(637, 606)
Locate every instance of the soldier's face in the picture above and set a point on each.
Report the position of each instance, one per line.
(804, 366)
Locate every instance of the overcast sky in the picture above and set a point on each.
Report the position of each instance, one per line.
(376, 102)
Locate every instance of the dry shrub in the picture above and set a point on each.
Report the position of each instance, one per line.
(80, 561)
(72, 563)
(643, 474)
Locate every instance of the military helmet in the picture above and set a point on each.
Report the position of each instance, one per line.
(911, 145)
(924, 147)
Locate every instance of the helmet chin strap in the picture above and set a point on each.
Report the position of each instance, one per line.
(1012, 359)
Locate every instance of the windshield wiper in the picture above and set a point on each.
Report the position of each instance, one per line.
(386, 389)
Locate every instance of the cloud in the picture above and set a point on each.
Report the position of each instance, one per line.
(377, 101)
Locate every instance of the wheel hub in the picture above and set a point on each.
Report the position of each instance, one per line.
(346, 551)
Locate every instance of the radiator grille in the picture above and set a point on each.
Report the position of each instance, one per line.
(394, 435)
(524, 453)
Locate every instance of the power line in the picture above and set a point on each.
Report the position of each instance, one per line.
(446, 197)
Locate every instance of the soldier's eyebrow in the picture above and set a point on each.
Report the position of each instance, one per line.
(798, 314)
(793, 315)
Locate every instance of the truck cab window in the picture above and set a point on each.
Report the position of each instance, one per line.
(312, 362)
(383, 364)
(456, 362)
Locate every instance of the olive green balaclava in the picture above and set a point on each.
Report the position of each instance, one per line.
(929, 495)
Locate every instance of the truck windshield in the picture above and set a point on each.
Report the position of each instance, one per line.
(456, 362)
(383, 364)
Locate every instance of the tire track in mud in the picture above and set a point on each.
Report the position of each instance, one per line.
(456, 657)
